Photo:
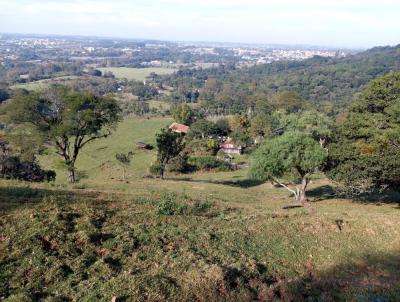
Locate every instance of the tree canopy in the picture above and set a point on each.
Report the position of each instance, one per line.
(67, 120)
(292, 154)
(169, 145)
(365, 153)
(182, 113)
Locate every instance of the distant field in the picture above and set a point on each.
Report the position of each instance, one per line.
(42, 83)
(138, 74)
(160, 105)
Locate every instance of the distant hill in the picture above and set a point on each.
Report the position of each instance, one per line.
(319, 79)
(326, 79)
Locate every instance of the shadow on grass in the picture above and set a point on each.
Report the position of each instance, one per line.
(375, 278)
(324, 192)
(327, 192)
(12, 197)
(240, 183)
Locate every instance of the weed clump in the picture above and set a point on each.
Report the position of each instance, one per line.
(174, 204)
(170, 206)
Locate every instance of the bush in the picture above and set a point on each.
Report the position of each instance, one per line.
(212, 146)
(169, 206)
(200, 207)
(210, 163)
(179, 164)
(220, 153)
(170, 203)
(155, 169)
(12, 167)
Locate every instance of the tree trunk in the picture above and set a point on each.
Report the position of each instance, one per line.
(162, 168)
(302, 198)
(71, 175)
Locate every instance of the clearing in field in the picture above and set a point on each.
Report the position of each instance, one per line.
(138, 74)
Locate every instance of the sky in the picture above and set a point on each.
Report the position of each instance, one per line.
(339, 23)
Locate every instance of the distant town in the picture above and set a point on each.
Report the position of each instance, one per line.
(27, 51)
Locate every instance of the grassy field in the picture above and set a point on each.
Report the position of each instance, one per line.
(41, 84)
(195, 237)
(138, 74)
(159, 105)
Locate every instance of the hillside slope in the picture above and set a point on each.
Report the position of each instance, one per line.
(319, 80)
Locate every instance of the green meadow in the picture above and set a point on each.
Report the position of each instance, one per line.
(138, 74)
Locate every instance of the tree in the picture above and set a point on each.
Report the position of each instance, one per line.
(124, 159)
(293, 152)
(260, 125)
(202, 128)
(4, 95)
(311, 122)
(289, 101)
(223, 127)
(239, 122)
(183, 114)
(365, 152)
(67, 120)
(169, 145)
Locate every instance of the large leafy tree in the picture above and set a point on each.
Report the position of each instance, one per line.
(289, 101)
(169, 145)
(260, 125)
(182, 113)
(293, 153)
(365, 153)
(311, 122)
(67, 120)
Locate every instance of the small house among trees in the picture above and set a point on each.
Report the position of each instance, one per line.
(179, 128)
(230, 147)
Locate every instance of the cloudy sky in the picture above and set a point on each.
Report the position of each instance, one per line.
(345, 23)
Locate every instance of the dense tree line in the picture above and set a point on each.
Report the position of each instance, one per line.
(359, 150)
(322, 81)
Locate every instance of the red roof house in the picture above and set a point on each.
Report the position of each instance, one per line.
(230, 147)
(179, 128)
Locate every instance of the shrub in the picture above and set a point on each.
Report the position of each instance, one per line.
(210, 163)
(179, 164)
(170, 203)
(220, 153)
(155, 169)
(212, 146)
(169, 206)
(200, 207)
(12, 167)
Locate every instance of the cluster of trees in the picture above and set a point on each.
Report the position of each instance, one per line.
(34, 72)
(322, 81)
(141, 90)
(64, 119)
(365, 151)
(360, 150)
